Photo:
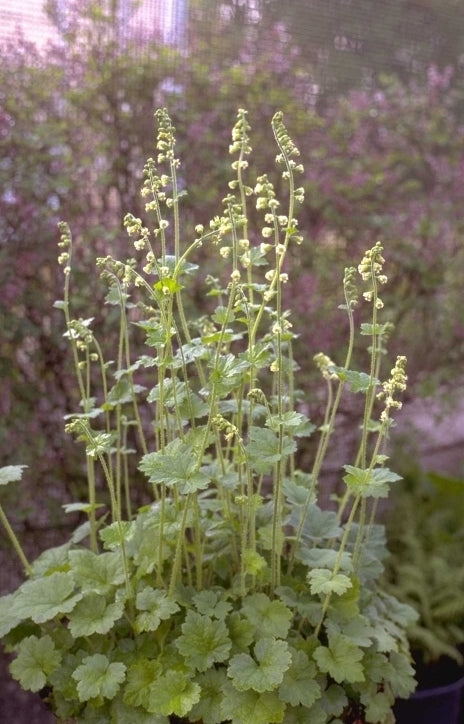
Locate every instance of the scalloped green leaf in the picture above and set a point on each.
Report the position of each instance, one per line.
(303, 602)
(369, 483)
(357, 381)
(172, 392)
(192, 351)
(36, 659)
(358, 628)
(154, 607)
(222, 337)
(297, 494)
(211, 603)
(42, 599)
(167, 285)
(51, 559)
(192, 406)
(299, 684)
(174, 264)
(97, 676)
(156, 334)
(173, 693)
(96, 572)
(140, 677)
(334, 700)
(99, 444)
(9, 619)
(368, 329)
(319, 524)
(204, 641)
(212, 684)
(264, 449)
(302, 715)
(223, 315)
(253, 563)
(175, 466)
(377, 703)
(121, 713)
(341, 659)
(265, 670)
(402, 678)
(113, 535)
(325, 581)
(325, 558)
(267, 615)
(346, 606)
(244, 707)
(227, 372)
(240, 631)
(294, 423)
(94, 615)
(123, 391)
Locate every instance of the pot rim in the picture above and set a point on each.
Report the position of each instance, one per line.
(439, 690)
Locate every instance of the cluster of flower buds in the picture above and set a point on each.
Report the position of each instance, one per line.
(65, 243)
(350, 289)
(394, 385)
(165, 139)
(288, 150)
(325, 366)
(240, 135)
(371, 269)
(230, 431)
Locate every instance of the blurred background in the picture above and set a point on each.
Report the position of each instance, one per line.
(373, 95)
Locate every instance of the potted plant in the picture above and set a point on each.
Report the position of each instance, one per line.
(231, 595)
(425, 570)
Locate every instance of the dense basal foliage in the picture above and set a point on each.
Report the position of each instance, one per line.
(234, 595)
(385, 162)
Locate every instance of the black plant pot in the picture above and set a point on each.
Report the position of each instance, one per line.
(440, 705)
(439, 697)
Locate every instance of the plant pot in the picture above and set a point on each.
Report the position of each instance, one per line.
(440, 705)
(438, 700)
